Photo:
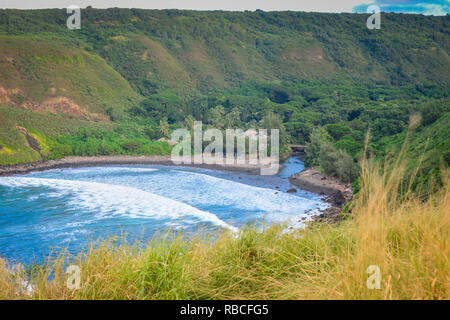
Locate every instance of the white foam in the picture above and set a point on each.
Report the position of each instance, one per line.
(275, 206)
(107, 199)
(104, 170)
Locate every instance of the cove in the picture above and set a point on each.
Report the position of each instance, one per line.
(43, 212)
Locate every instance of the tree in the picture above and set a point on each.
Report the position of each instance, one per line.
(328, 155)
(337, 163)
(233, 118)
(338, 130)
(151, 133)
(318, 137)
(163, 105)
(349, 145)
(431, 112)
(216, 116)
(346, 168)
(189, 122)
(163, 127)
(272, 121)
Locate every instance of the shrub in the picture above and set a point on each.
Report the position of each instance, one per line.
(349, 145)
(346, 168)
(337, 163)
(328, 156)
(317, 138)
(131, 146)
(338, 130)
(431, 112)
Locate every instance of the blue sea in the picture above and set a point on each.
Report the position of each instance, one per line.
(44, 212)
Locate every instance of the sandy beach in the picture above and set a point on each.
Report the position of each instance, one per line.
(73, 161)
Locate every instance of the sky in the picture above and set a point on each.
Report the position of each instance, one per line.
(435, 7)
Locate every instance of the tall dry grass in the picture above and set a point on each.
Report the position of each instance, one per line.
(405, 237)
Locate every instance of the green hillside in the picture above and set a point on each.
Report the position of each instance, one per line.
(188, 50)
(37, 70)
(130, 76)
(50, 86)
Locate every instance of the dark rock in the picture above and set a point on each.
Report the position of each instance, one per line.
(292, 190)
(32, 142)
(329, 215)
(337, 192)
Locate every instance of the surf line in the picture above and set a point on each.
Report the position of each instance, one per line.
(143, 202)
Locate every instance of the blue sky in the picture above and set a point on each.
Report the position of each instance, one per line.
(436, 7)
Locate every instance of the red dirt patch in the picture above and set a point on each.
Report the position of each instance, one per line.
(310, 54)
(6, 95)
(9, 59)
(65, 106)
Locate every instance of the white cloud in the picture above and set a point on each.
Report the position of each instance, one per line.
(279, 5)
(434, 9)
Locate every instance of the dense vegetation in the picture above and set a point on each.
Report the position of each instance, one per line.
(129, 77)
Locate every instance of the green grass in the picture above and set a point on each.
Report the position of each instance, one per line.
(428, 149)
(45, 67)
(61, 135)
(46, 127)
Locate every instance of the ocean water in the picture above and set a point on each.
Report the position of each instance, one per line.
(43, 212)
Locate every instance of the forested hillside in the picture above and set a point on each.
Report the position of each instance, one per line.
(130, 76)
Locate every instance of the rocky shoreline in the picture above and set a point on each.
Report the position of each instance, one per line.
(335, 192)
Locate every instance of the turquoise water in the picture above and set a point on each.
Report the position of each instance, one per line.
(42, 212)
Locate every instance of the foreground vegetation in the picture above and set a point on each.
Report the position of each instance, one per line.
(407, 238)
